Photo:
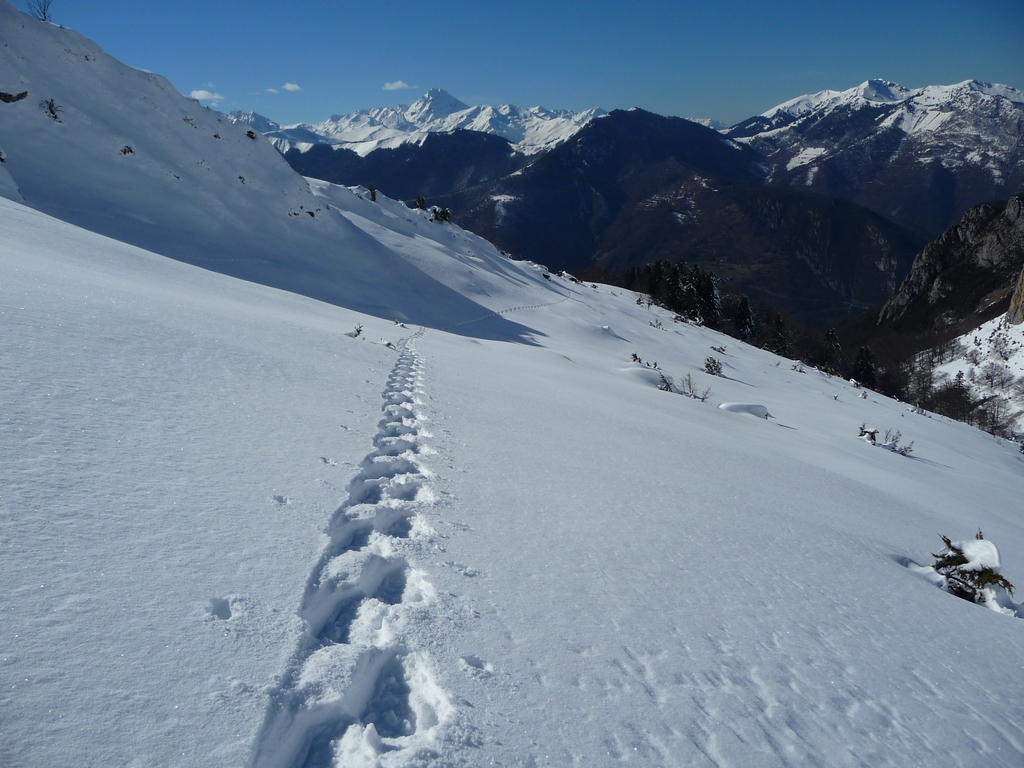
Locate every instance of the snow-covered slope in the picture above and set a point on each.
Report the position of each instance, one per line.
(532, 555)
(990, 363)
(531, 130)
(123, 154)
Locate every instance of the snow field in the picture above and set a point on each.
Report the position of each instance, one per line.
(173, 441)
(354, 689)
(281, 563)
(664, 583)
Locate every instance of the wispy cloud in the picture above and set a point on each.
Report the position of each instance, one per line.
(204, 95)
(398, 85)
(272, 90)
(291, 87)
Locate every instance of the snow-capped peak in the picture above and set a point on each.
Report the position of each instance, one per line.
(883, 91)
(707, 122)
(435, 104)
(254, 120)
(874, 91)
(879, 92)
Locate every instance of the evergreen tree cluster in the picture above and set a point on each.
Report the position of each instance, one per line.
(689, 291)
(987, 398)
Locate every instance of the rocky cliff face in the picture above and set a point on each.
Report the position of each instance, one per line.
(968, 274)
(1015, 315)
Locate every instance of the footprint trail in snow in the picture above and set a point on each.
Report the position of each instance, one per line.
(353, 691)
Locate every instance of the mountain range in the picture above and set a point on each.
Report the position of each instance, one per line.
(838, 189)
(530, 130)
(919, 156)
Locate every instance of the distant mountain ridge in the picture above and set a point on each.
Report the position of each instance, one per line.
(919, 156)
(530, 130)
(634, 187)
(767, 218)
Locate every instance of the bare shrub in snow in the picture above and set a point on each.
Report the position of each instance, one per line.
(689, 388)
(40, 9)
(890, 441)
(51, 109)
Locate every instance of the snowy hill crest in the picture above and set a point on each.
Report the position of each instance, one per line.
(120, 152)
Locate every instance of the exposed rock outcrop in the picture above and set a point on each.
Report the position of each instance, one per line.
(1015, 315)
(967, 274)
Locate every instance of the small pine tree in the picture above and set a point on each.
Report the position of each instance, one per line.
(779, 339)
(833, 352)
(744, 319)
(421, 202)
(967, 583)
(864, 367)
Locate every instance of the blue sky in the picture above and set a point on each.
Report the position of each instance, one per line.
(726, 60)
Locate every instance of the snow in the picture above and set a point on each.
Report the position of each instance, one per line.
(996, 344)
(591, 567)
(196, 187)
(234, 531)
(980, 554)
(868, 92)
(753, 409)
(707, 122)
(530, 130)
(920, 110)
(805, 156)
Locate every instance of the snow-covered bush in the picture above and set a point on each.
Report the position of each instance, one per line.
(891, 440)
(970, 570)
(713, 366)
